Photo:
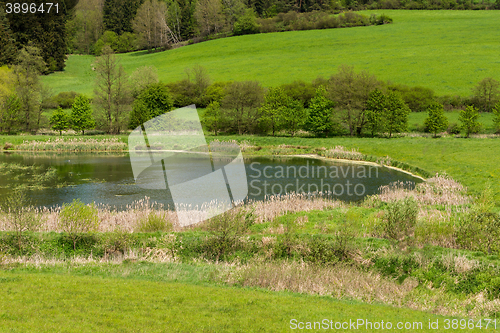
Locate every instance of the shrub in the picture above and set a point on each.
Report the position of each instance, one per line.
(8, 146)
(65, 99)
(225, 231)
(246, 24)
(453, 128)
(116, 242)
(20, 215)
(319, 251)
(154, 222)
(480, 230)
(399, 221)
(77, 219)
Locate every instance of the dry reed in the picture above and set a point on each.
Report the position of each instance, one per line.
(75, 145)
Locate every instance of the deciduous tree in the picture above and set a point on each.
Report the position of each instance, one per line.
(11, 119)
(151, 25)
(60, 120)
(213, 117)
(396, 114)
(320, 117)
(27, 73)
(496, 117)
(81, 115)
(152, 102)
(436, 121)
(374, 111)
(350, 91)
(112, 93)
(208, 14)
(241, 104)
(469, 120)
(141, 78)
(487, 93)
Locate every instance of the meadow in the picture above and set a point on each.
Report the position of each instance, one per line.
(448, 51)
(135, 302)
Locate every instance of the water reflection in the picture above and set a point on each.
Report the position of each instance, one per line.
(108, 178)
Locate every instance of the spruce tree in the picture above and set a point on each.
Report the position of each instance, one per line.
(7, 46)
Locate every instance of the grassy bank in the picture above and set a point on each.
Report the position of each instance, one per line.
(427, 48)
(72, 302)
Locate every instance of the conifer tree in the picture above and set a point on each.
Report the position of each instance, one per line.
(7, 46)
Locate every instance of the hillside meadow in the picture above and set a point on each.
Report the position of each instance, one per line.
(448, 51)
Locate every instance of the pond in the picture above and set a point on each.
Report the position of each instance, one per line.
(108, 178)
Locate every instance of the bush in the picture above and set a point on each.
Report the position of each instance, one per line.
(225, 232)
(453, 128)
(64, 99)
(116, 242)
(480, 229)
(76, 219)
(154, 222)
(400, 220)
(8, 146)
(321, 250)
(20, 215)
(246, 24)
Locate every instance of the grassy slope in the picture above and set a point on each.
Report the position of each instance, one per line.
(76, 303)
(448, 51)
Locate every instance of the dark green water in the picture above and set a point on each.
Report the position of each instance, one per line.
(108, 179)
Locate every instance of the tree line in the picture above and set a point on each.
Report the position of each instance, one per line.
(347, 103)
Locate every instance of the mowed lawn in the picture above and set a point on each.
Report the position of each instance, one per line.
(46, 302)
(448, 51)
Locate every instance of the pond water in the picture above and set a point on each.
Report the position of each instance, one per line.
(108, 179)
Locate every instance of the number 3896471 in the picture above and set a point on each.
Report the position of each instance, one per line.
(31, 8)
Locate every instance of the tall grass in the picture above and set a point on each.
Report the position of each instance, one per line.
(74, 145)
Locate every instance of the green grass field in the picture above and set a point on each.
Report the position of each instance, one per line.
(448, 51)
(416, 120)
(141, 299)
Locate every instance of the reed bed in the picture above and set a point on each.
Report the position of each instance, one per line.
(340, 152)
(350, 283)
(128, 220)
(340, 281)
(275, 206)
(438, 190)
(74, 145)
